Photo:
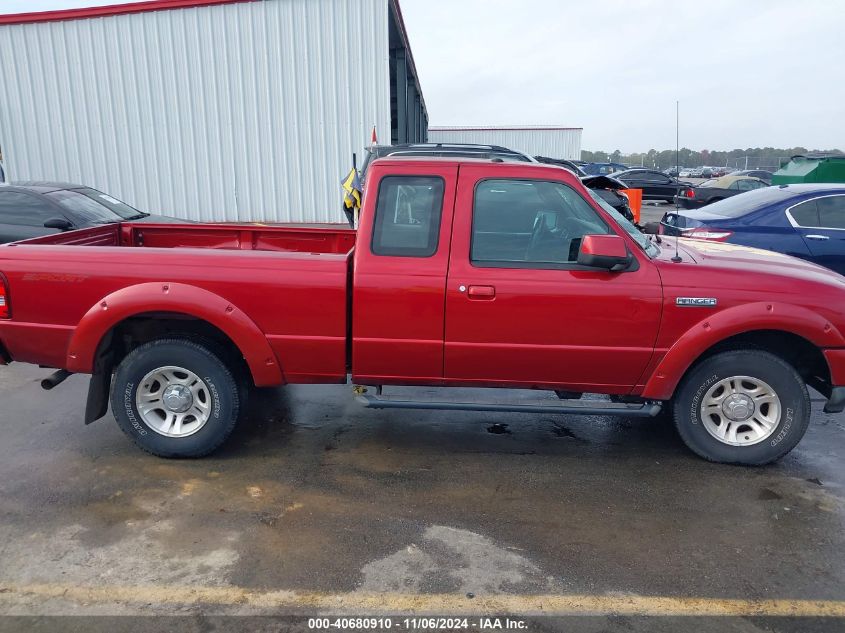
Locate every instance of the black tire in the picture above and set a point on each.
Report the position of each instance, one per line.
(222, 389)
(778, 374)
(233, 360)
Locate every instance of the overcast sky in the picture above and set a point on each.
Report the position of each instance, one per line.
(747, 73)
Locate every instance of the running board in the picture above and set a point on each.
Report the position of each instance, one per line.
(646, 410)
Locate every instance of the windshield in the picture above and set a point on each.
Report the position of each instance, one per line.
(94, 206)
(115, 205)
(650, 249)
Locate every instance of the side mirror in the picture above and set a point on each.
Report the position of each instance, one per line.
(604, 251)
(58, 223)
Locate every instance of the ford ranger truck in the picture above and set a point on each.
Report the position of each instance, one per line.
(462, 273)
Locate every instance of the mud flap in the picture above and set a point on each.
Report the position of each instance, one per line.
(836, 402)
(98, 397)
(98, 388)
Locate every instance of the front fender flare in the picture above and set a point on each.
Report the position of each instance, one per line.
(180, 298)
(740, 319)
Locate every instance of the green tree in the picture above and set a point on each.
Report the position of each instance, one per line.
(752, 157)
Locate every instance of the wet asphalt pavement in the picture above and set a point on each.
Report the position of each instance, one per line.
(316, 505)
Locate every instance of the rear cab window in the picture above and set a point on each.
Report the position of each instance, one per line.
(408, 215)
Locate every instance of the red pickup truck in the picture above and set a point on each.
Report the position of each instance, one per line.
(470, 273)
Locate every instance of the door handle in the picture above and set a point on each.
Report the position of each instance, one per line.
(820, 238)
(481, 292)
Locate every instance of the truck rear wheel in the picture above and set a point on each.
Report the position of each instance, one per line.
(742, 407)
(175, 398)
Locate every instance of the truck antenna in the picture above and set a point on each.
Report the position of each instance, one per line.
(677, 258)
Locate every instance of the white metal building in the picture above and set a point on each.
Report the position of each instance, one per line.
(207, 109)
(536, 140)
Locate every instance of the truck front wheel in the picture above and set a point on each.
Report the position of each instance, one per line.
(742, 407)
(175, 398)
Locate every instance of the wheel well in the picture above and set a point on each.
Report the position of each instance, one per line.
(806, 358)
(133, 332)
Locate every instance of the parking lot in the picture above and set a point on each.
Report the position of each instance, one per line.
(319, 505)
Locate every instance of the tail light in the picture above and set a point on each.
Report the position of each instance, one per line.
(5, 308)
(707, 233)
(688, 193)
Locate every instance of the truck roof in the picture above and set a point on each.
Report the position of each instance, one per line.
(460, 160)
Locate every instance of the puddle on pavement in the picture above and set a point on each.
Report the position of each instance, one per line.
(499, 429)
(452, 560)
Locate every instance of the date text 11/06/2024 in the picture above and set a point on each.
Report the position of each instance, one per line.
(416, 624)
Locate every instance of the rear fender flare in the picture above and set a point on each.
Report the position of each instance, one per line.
(740, 319)
(180, 298)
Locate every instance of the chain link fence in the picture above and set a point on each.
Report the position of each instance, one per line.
(755, 162)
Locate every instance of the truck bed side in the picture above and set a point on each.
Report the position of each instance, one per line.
(285, 284)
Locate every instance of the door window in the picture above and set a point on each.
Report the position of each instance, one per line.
(749, 185)
(831, 212)
(407, 222)
(530, 224)
(827, 212)
(22, 209)
(805, 214)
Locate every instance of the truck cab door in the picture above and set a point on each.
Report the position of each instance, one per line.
(821, 224)
(399, 278)
(521, 312)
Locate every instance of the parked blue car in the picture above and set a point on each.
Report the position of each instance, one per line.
(802, 220)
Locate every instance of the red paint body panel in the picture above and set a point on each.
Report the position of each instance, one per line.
(290, 297)
(289, 302)
(836, 362)
(546, 328)
(607, 245)
(397, 306)
(177, 298)
(756, 290)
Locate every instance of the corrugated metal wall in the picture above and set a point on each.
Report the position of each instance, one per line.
(246, 111)
(536, 141)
